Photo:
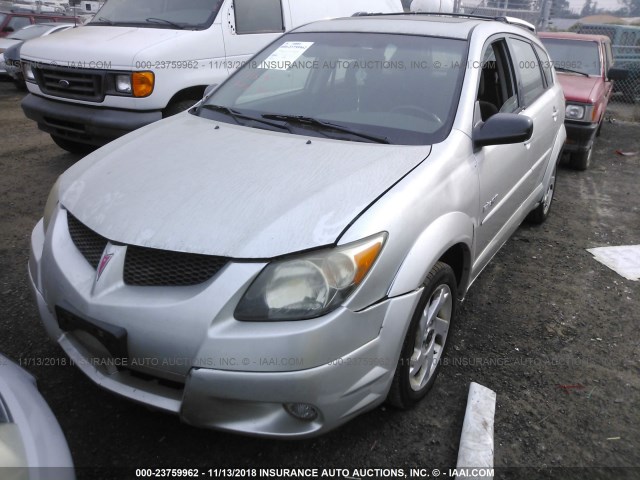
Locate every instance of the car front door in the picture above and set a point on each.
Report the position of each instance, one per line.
(501, 168)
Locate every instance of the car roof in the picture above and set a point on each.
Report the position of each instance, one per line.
(574, 36)
(437, 25)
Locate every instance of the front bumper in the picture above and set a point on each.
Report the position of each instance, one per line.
(580, 136)
(82, 123)
(232, 375)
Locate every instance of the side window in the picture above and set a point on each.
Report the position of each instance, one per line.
(18, 22)
(496, 89)
(258, 16)
(545, 63)
(526, 63)
(608, 57)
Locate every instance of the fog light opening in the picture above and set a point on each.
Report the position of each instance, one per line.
(301, 411)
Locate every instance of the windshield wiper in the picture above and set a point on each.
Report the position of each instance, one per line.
(236, 115)
(562, 69)
(162, 20)
(301, 119)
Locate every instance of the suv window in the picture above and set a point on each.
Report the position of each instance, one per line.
(526, 62)
(496, 89)
(258, 16)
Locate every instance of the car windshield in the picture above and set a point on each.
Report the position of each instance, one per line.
(400, 89)
(2, 17)
(578, 55)
(185, 14)
(31, 31)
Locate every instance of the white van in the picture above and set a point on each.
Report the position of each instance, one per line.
(138, 61)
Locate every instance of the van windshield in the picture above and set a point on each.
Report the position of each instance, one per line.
(370, 87)
(579, 55)
(173, 14)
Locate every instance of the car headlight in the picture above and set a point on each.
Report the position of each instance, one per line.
(136, 84)
(52, 203)
(575, 112)
(27, 71)
(310, 285)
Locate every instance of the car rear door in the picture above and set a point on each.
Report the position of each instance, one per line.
(541, 102)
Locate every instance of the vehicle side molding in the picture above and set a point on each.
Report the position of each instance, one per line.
(617, 73)
(502, 129)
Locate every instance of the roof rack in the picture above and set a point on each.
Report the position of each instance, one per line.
(504, 19)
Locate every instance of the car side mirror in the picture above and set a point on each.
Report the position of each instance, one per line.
(617, 73)
(8, 29)
(502, 129)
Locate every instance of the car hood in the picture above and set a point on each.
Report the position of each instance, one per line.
(578, 88)
(90, 45)
(195, 185)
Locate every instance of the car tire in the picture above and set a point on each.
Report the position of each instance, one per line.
(581, 160)
(539, 214)
(179, 106)
(73, 147)
(424, 345)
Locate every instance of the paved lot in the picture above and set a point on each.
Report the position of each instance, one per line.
(553, 332)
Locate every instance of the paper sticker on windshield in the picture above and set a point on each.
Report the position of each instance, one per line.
(285, 56)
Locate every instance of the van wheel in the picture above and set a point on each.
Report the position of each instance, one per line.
(179, 106)
(426, 339)
(541, 212)
(73, 147)
(581, 160)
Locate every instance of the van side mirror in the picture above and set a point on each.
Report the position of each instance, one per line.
(617, 73)
(502, 129)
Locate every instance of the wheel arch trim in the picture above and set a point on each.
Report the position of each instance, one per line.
(453, 230)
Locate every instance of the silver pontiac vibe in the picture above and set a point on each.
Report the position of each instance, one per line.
(290, 253)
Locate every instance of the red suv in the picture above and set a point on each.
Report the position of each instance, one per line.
(584, 67)
(11, 22)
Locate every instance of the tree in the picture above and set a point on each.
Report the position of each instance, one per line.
(587, 9)
(632, 6)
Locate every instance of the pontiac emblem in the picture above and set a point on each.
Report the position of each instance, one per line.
(106, 258)
(64, 83)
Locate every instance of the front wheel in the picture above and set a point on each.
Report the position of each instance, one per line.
(426, 339)
(581, 160)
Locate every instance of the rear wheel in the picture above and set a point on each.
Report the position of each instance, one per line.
(426, 339)
(73, 147)
(541, 212)
(581, 160)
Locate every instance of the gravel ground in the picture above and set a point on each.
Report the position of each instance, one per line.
(552, 331)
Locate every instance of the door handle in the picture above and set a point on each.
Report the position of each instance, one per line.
(555, 114)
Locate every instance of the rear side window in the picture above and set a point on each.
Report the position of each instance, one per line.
(258, 16)
(526, 63)
(545, 64)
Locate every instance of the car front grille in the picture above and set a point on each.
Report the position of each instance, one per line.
(79, 84)
(148, 267)
(89, 243)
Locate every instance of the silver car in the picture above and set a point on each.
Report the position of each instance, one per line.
(32, 445)
(290, 253)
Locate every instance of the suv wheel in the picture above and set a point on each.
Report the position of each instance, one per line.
(426, 339)
(581, 160)
(73, 147)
